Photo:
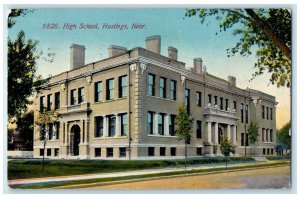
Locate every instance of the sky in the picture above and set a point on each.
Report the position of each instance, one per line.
(188, 35)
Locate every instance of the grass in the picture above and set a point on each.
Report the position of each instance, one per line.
(21, 169)
(70, 184)
(283, 157)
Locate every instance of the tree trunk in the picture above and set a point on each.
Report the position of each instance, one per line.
(185, 153)
(43, 163)
(269, 32)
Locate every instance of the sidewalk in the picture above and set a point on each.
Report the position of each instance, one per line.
(123, 174)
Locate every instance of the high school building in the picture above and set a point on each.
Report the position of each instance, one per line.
(125, 106)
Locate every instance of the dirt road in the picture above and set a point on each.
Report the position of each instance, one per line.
(275, 177)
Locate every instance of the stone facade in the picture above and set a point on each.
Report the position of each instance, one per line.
(109, 112)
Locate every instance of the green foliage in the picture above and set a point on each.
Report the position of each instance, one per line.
(226, 146)
(21, 73)
(273, 50)
(283, 137)
(252, 133)
(183, 124)
(25, 129)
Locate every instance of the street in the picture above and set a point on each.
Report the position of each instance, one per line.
(274, 177)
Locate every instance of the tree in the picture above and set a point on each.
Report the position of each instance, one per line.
(267, 30)
(183, 127)
(43, 122)
(25, 128)
(284, 137)
(253, 134)
(226, 147)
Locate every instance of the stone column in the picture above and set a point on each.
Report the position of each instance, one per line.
(167, 131)
(86, 131)
(208, 132)
(228, 132)
(156, 124)
(62, 133)
(118, 131)
(234, 135)
(216, 133)
(66, 133)
(81, 131)
(105, 124)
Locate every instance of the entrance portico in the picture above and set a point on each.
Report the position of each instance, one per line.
(218, 124)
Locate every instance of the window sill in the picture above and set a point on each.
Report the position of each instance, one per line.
(167, 99)
(167, 136)
(113, 137)
(111, 100)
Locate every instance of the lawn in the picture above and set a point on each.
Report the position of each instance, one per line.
(20, 169)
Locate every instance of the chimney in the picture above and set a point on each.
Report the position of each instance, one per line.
(172, 52)
(153, 43)
(198, 65)
(232, 81)
(77, 56)
(114, 50)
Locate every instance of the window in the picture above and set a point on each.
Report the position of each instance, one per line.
(56, 128)
(242, 139)
(267, 109)
(264, 151)
(199, 131)
(209, 98)
(246, 111)
(187, 99)
(173, 90)
(123, 124)
(242, 112)
(98, 91)
(216, 100)
(271, 114)
(263, 112)
(150, 151)
(42, 104)
(151, 85)
(73, 96)
(49, 102)
(57, 100)
(234, 105)
(162, 87)
(267, 135)
(263, 135)
(199, 151)
(161, 123)
(99, 126)
(172, 125)
(150, 122)
(271, 135)
(56, 152)
(48, 152)
(272, 151)
(162, 151)
(226, 105)
(173, 151)
(41, 152)
(221, 103)
(122, 86)
(122, 151)
(50, 131)
(80, 95)
(42, 130)
(198, 98)
(247, 139)
(97, 152)
(111, 125)
(109, 89)
(268, 151)
(109, 152)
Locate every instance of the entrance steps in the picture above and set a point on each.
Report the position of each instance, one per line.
(260, 159)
